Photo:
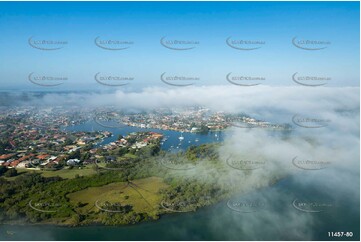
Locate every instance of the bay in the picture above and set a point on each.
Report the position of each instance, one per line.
(279, 217)
(172, 142)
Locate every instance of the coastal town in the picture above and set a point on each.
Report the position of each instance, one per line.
(191, 119)
(33, 138)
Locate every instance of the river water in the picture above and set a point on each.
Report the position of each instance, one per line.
(280, 212)
(276, 219)
(172, 143)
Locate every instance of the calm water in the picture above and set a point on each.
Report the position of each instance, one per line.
(172, 143)
(276, 220)
(276, 217)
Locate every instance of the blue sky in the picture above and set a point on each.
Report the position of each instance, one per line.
(209, 23)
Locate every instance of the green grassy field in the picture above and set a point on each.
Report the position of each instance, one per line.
(142, 194)
(63, 173)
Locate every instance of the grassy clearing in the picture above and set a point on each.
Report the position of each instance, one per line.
(63, 173)
(142, 194)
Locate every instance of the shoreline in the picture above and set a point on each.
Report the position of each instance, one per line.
(160, 216)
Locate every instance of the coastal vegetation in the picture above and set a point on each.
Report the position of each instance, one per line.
(135, 187)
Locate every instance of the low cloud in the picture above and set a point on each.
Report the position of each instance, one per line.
(337, 143)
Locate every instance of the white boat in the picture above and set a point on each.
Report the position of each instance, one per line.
(181, 137)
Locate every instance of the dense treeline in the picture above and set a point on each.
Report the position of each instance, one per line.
(20, 196)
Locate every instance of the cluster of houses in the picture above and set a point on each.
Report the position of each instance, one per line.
(142, 140)
(33, 161)
(26, 160)
(151, 136)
